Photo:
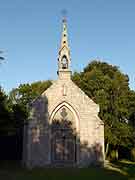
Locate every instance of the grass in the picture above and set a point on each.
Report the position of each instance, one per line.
(121, 170)
(126, 168)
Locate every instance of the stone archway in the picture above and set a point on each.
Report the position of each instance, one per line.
(63, 136)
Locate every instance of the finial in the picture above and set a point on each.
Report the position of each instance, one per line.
(64, 15)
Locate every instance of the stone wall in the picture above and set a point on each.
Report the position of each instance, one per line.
(89, 128)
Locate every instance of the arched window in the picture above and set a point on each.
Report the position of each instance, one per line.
(63, 141)
(64, 62)
(63, 119)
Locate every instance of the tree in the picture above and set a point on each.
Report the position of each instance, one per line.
(5, 114)
(19, 100)
(25, 93)
(22, 96)
(109, 88)
(131, 107)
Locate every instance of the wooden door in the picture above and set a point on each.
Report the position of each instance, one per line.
(63, 146)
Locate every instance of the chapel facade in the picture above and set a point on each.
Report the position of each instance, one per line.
(64, 128)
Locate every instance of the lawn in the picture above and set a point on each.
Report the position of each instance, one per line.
(116, 171)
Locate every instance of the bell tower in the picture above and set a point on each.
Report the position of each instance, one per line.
(64, 54)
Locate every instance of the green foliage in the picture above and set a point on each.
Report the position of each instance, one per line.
(25, 93)
(113, 155)
(109, 88)
(14, 109)
(22, 96)
(5, 114)
(131, 107)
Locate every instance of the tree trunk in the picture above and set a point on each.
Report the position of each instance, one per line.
(117, 154)
(107, 149)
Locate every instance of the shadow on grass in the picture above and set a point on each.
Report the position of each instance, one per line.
(126, 167)
(13, 171)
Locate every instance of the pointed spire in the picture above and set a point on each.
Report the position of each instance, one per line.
(64, 52)
(64, 39)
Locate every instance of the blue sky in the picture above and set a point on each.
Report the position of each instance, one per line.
(30, 32)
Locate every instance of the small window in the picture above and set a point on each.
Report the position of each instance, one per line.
(64, 63)
(64, 42)
(64, 35)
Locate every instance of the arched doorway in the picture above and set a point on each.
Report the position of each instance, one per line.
(63, 136)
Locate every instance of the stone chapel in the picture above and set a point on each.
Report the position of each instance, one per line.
(64, 128)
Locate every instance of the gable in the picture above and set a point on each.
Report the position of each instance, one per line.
(68, 91)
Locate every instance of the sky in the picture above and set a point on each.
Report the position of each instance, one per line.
(30, 33)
